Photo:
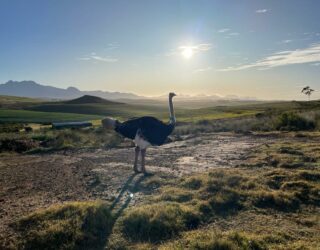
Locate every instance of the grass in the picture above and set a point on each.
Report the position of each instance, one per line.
(222, 195)
(47, 140)
(125, 111)
(287, 154)
(158, 222)
(77, 225)
(15, 102)
(27, 116)
(210, 239)
(200, 118)
(255, 206)
(250, 207)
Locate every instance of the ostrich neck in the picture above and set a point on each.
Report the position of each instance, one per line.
(172, 117)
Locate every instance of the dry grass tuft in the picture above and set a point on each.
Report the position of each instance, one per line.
(76, 225)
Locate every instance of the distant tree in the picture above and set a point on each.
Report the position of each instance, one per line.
(307, 91)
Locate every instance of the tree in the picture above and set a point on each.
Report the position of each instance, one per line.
(307, 91)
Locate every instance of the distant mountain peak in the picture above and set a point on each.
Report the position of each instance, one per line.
(73, 89)
(29, 82)
(89, 99)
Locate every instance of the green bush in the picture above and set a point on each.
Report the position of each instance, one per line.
(158, 222)
(291, 121)
(77, 225)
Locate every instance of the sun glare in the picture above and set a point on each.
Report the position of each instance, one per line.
(187, 52)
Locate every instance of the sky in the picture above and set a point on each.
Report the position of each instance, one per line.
(250, 48)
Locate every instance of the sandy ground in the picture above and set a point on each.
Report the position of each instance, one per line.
(29, 182)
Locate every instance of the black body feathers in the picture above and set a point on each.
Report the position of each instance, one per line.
(151, 129)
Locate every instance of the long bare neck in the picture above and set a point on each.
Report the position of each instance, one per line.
(172, 117)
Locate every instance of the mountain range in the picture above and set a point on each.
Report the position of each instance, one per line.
(36, 90)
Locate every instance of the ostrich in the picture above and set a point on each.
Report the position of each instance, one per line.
(146, 131)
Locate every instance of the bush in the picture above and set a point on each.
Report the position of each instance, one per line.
(310, 176)
(277, 200)
(77, 225)
(291, 121)
(10, 127)
(225, 201)
(158, 222)
(17, 145)
(193, 183)
(175, 194)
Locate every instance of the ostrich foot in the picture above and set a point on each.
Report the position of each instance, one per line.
(135, 169)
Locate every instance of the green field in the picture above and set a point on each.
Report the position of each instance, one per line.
(27, 116)
(19, 109)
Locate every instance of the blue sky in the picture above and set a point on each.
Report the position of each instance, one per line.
(265, 49)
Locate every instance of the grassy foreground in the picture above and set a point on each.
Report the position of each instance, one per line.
(77, 225)
(271, 202)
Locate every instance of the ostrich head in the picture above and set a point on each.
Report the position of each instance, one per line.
(171, 95)
(109, 123)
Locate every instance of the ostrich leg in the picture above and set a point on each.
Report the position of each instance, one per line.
(143, 161)
(135, 166)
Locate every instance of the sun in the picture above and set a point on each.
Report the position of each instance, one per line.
(187, 52)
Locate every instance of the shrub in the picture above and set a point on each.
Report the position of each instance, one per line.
(304, 191)
(310, 176)
(10, 127)
(192, 183)
(17, 145)
(158, 222)
(77, 225)
(28, 129)
(293, 122)
(225, 201)
(276, 199)
(175, 194)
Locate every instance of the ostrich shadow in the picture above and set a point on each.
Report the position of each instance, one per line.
(126, 187)
(117, 209)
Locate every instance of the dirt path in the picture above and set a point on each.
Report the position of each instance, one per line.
(28, 182)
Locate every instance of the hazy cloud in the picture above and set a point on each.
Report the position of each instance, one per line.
(260, 11)
(95, 58)
(282, 58)
(202, 70)
(223, 30)
(286, 41)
